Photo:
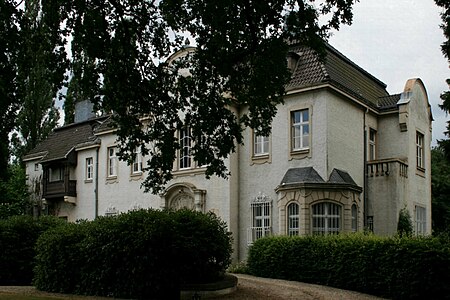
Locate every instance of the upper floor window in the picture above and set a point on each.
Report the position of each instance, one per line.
(372, 144)
(36, 167)
(137, 162)
(261, 145)
(300, 130)
(420, 160)
(185, 140)
(55, 174)
(112, 161)
(89, 168)
(420, 220)
(326, 218)
(293, 219)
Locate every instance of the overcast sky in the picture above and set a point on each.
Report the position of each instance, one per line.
(396, 40)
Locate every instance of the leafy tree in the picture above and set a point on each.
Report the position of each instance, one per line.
(239, 61)
(40, 72)
(445, 47)
(14, 197)
(9, 47)
(440, 189)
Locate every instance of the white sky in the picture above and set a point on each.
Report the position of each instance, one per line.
(396, 40)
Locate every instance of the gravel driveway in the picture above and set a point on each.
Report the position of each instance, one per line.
(249, 287)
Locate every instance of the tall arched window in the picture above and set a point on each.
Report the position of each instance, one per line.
(354, 218)
(326, 218)
(292, 219)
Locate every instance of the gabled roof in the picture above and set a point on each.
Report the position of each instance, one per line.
(63, 140)
(337, 70)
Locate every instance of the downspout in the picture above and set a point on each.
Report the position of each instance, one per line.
(96, 183)
(365, 172)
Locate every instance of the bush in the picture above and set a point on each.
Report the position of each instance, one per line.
(399, 268)
(141, 254)
(18, 236)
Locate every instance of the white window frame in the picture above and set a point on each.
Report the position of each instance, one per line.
(112, 162)
(326, 218)
(420, 220)
(136, 166)
(261, 145)
(420, 154)
(89, 168)
(372, 144)
(261, 218)
(300, 130)
(293, 219)
(185, 141)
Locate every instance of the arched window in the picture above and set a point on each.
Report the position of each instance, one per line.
(292, 219)
(326, 218)
(354, 218)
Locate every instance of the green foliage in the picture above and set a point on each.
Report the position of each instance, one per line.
(404, 225)
(18, 236)
(445, 47)
(14, 197)
(398, 268)
(440, 191)
(141, 254)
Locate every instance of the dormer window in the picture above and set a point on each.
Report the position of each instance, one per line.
(292, 60)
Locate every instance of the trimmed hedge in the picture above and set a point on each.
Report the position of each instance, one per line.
(18, 236)
(398, 268)
(140, 254)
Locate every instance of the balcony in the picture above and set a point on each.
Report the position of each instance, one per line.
(387, 167)
(60, 189)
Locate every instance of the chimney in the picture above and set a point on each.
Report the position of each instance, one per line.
(84, 110)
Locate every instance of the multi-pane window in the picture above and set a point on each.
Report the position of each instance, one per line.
(420, 220)
(354, 218)
(89, 168)
(55, 174)
(300, 129)
(185, 140)
(261, 145)
(112, 161)
(137, 161)
(372, 144)
(326, 218)
(292, 219)
(420, 151)
(261, 223)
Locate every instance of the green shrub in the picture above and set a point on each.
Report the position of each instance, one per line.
(399, 268)
(141, 254)
(18, 236)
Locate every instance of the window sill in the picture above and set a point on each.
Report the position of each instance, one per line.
(261, 159)
(299, 154)
(136, 176)
(88, 180)
(420, 172)
(111, 179)
(189, 172)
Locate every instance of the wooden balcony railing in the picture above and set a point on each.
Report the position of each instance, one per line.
(60, 188)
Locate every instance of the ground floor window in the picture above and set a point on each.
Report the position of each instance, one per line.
(326, 218)
(420, 220)
(293, 219)
(354, 218)
(261, 210)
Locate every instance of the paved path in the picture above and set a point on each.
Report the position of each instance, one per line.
(249, 287)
